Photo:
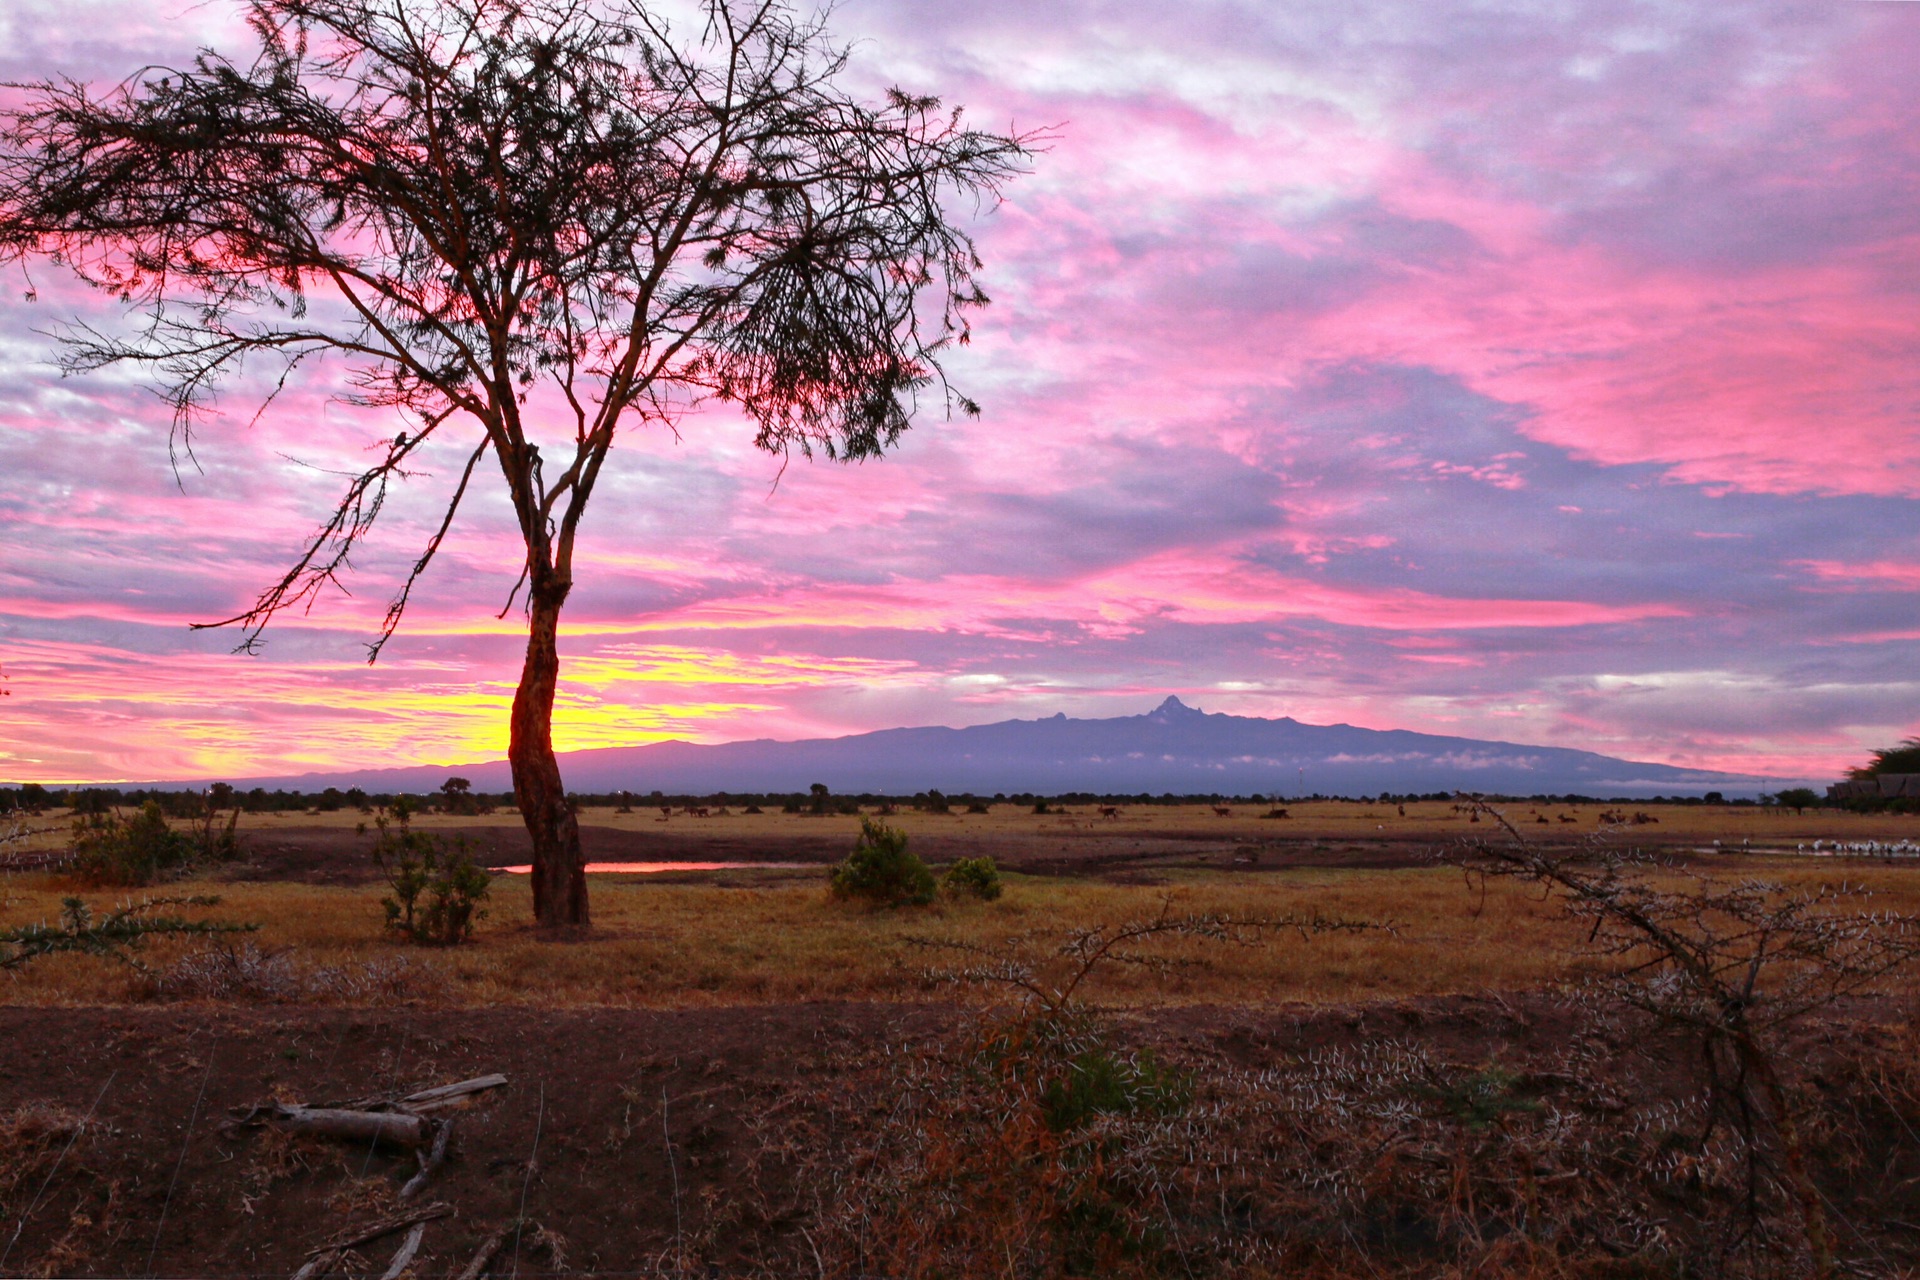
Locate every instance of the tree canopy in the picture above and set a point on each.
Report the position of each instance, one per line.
(518, 227)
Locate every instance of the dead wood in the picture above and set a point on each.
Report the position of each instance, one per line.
(448, 1095)
(396, 1128)
(430, 1162)
(403, 1256)
(489, 1249)
(318, 1265)
(385, 1227)
(428, 1100)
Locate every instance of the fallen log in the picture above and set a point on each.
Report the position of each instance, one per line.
(395, 1128)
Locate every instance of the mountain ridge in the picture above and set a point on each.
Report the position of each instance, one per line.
(1173, 748)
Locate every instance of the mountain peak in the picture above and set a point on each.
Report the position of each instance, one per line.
(1174, 709)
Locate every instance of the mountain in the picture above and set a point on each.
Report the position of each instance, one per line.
(1173, 748)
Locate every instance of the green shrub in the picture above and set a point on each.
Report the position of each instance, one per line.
(1479, 1099)
(111, 850)
(881, 871)
(977, 877)
(1101, 1080)
(436, 892)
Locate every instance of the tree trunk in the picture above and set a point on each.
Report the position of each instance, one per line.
(559, 870)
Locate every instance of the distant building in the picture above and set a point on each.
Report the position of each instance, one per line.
(1883, 786)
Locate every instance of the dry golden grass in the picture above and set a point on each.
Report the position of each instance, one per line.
(1322, 820)
(776, 936)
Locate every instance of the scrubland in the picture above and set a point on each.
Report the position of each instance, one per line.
(1327, 1053)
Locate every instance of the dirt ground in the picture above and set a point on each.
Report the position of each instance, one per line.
(628, 1143)
(721, 1141)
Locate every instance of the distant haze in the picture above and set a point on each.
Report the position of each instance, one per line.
(1174, 748)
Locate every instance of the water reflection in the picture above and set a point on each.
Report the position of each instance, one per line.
(645, 868)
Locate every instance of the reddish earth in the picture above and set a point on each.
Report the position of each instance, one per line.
(634, 1142)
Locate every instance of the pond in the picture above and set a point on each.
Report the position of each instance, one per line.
(644, 868)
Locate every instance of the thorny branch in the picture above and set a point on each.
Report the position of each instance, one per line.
(1733, 964)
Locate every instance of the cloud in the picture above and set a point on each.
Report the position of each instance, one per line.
(1538, 373)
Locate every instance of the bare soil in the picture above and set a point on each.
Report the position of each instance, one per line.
(628, 1142)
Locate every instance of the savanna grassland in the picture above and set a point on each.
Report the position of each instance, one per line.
(1329, 1050)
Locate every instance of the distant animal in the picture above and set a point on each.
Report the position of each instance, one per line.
(1223, 811)
(1109, 811)
(698, 811)
(666, 811)
(1568, 818)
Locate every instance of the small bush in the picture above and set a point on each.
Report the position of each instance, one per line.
(1103, 1081)
(111, 850)
(881, 871)
(977, 877)
(436, 892)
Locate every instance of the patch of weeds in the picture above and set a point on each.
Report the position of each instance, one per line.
(1101, 1080)
(30, 1136)
(248, 972)
(1479, 1099)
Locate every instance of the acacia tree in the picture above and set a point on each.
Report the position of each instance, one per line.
(522, 225)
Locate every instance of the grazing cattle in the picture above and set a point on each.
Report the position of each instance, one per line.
(1109, 811)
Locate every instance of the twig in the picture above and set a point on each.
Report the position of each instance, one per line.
(429, 1163)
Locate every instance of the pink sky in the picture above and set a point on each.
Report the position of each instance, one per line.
(1543, 373)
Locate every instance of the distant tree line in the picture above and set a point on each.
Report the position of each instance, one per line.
(456, 796)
